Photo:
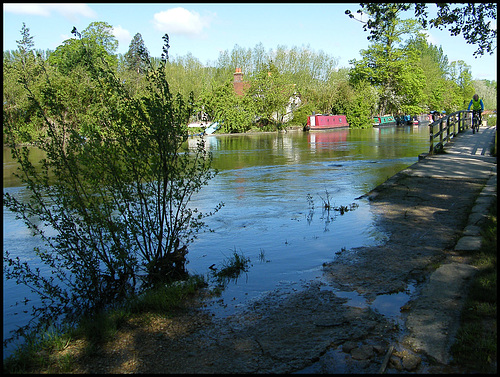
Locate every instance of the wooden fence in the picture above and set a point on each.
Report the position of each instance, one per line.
(446, 128)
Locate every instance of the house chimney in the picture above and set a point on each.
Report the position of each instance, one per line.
(238, 76)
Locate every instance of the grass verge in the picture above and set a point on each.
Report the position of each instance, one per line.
(475, 347)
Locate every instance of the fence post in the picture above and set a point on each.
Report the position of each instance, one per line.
(447, 126)
(431, 137)
(441, 131)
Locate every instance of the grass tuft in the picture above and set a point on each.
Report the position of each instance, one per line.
(232, 267)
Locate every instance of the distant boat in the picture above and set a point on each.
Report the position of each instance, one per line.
(325, 122)
(212, 128)
(208, 128)
(198, 124)
(386, 120)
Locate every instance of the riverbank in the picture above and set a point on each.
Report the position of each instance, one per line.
(424, 209)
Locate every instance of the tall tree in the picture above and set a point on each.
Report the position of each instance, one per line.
(25, 45)
(391, 68)
(434, 65)
(102, 34)
(460, 74)
(271, 92)
(97, 43)
(19, 69)
(472, 20)
(136, 55)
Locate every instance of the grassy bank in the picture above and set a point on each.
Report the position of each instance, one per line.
(48, 353)
(475, 348)
(45, 353)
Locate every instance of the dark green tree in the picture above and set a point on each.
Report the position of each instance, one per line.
(20, 66)
(137, 55)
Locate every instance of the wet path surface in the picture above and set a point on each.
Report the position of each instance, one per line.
(426, 208)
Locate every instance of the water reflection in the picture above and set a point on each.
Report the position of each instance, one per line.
(266, 181)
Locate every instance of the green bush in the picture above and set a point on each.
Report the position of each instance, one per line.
(114, 189)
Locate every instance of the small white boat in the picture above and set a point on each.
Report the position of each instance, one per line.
(198, 125)
(209, 128)
(212, 128)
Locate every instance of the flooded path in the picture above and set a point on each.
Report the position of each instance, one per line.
(273, 187)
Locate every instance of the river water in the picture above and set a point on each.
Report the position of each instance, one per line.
(273, 186)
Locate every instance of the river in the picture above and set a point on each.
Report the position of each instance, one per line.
(273, 186)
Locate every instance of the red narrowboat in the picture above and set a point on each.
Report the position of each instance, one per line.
(325, 122)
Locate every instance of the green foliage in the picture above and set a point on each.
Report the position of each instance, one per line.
(301, 114)
(25, 46)
(417, 77)
(472, 20)
(392, 70)
(361, 107)
(492, 121)
(487, 90)
(270, 91)
(475, 346)
(165, 299)
(96, 42)
(101, 33)
(221, 104)
(111, 200)
(404, 72)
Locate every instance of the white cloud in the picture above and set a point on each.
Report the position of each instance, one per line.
(74, 10)
(122, 35)
(181, 21)
(69, 11)
(31, 9)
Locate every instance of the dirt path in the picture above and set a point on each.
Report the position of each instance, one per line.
(424, 212)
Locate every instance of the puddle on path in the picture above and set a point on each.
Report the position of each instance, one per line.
(334, 360)
(389, 305)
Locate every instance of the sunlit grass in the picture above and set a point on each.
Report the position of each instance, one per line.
(475, 346)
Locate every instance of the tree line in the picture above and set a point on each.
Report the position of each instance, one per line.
(399, 73)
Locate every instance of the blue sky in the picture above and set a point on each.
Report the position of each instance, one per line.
(206, 29)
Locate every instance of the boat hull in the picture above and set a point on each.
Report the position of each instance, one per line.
(325, 122)
(386, 120)
(212, 128)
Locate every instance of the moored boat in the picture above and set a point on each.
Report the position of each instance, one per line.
(212, 128)
(386, 120)
(325, 122)
(208, 127)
